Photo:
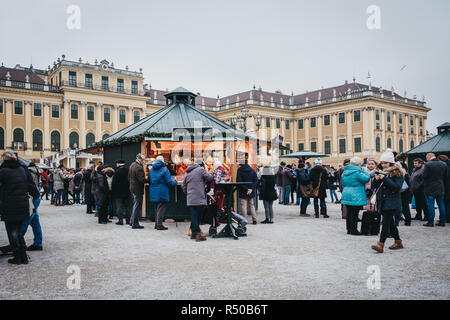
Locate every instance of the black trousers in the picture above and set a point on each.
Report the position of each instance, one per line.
(15, 236)
(323, 206)
(293, 189)
(406, 196)
(44, 192)
(388, 226)
(421, 204)
(103, 213)
(352, 218)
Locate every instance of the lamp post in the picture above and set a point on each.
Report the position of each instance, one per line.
(241, 119)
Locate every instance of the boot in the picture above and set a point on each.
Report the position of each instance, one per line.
(120, 222)
(20, 256)
(52, 202)
(265, 221)
(378, 247)
(397, 245)
(316, 215)
(199, 237)
(418, 217)
(161, 227)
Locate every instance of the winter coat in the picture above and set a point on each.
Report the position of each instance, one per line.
(416, 182)
(314, 176)
(246, 174)
(160, 180)
(120, 184)
(389, 197)
(136, 178)
(267, 188)
(44, 179)
(194, 184)
(286, 177)
(354, 181)
(434, 175)
(101, 189)
(58, 179)
(447, 186)
(88, 186)
(332, 180)
(35, 174)
(278, 176)
(76, 181)
(16, 184)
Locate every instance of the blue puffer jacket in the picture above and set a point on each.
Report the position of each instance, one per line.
(160, 180)
(354, 180)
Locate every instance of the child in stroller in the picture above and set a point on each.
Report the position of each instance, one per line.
(217, 214)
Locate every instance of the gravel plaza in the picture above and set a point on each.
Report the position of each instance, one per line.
(294, 258)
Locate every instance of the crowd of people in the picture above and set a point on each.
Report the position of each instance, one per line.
(382, 190)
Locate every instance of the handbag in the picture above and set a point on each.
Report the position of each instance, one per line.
(315, 191)
(404, 186)
(373, 198)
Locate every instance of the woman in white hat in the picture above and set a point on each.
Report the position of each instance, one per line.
(387, 185)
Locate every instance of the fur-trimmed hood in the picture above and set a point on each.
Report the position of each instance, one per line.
(395, 171)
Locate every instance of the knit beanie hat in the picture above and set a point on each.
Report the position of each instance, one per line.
(318, 162)
(388, 156)
(217, 164)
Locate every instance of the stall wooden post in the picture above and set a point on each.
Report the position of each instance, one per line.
(144, 202)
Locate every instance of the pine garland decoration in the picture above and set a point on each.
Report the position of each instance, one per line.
(133, 139)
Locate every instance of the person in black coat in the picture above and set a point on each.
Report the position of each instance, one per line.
(435, 175)
(88, 198)
(303, 183)
(16, 184)
(319, 174)
(387, 185)
(445, 159)
(245, 173)
(120, 193)
(267, 194)
(101, 195)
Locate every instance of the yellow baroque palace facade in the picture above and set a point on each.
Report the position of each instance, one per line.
(73, 104)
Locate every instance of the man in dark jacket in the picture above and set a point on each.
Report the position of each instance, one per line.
(88, 198)
(416, 186)
(120, 192)
(286, 183)
(101, 195)
(445, 160)
(245, 173)
(137, 180)
(16, 184)
(303, 183)
(434, 175)
(318, 178)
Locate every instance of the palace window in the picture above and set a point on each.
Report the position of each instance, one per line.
(137, 116)
(37, 110)
(300, 124)
(37, 140)
(55, 141)
(18, 107)
(357, 144)
(267, 122)
(2, 138)
(400, 145)
(288, 146)
(122, 116)
(73, 140)
(411, 120)
(107, 114)
(389, 143)
(326, 120)
(120, 85)
(72, 78)
(55, 111)
(421, 132)
(90, 139)
(378, 144)
(105, 83)
(412, 130)
(278, 123)
(74, 111)
(421, 121)
(90, 113)
(389, 127)
(301, 146)
(400, 118)
(401, 129)
(388, 116)
(377, 114)
(1, 105)
(134, 87)
(411, 145)
(357, 115)
(342, 146)
(314, 146)
(327, 146)
(313, 122)
(88, 80)
(18, 135)
(287, 124)
(105, 136)
(341, 117)
(377, 125)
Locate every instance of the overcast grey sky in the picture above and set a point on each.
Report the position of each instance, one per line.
(224, 47)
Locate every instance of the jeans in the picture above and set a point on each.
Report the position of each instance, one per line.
(431, 212)
(60, 196)
(323, 206)
(280, 195)
(268, 209)
(122, 209)
(286, 194)
(33, 221)
(333, 194)
(196, 212)
(76, 195)
(137, 209)
(388, 226)
(303, 205)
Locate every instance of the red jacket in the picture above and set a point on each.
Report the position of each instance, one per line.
(44, 182)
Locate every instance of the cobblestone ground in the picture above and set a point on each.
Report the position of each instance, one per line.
(294, 258)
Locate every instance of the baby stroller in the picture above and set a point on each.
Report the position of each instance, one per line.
(217, 213)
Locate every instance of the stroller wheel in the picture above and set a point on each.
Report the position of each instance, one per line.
(212, 232)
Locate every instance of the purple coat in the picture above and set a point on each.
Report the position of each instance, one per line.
(194, 184)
